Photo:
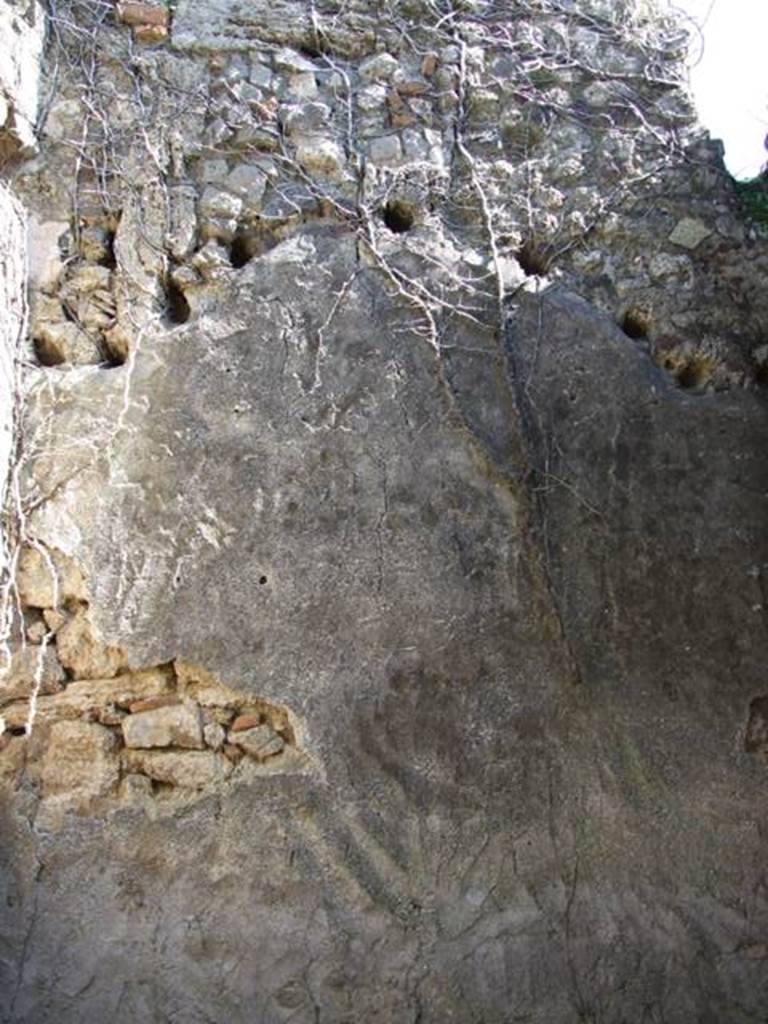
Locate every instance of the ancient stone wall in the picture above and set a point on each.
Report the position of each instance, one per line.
(386, 630)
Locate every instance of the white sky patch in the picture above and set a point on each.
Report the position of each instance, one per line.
(729, 77)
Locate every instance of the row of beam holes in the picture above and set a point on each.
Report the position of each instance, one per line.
(636, 324)
(398, 216)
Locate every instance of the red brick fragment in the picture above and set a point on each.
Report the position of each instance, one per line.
(150, 703)
(243, 722)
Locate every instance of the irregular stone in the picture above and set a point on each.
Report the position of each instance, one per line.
(173, 726)
(216, 202)
(13, 756)
(35, 628)
(260, 742)
(322, 157)
(214, 735)
(79, 760)
(403, 119)
(261, 75)
(150, 33)
(135, 788)
(54, 619)
(384, 150)
(45, 251)
(248, 182)
(303, 87)
(211, 260)
(292, 63)
(81, 653)
(139, 14)
(307, 117)
(193, 769)
(213, 170)
(416, 88)
(48, 578)
(380, 67)
(94, 244)
(183, 220)
(689, 232)
(27, 666)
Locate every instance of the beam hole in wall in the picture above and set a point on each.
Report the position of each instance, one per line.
(115, 356)
(46, 353)
(399, 216)
(241, 251)
(534, 259)
(177, 307)
(109, 260)
(636, 323)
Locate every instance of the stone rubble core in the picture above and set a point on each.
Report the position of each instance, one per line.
(575, 136)
(105, 737)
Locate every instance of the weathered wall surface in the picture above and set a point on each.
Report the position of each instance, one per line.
(390, 634)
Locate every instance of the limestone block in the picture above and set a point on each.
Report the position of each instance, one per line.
(261, 75)
(260, 742)
(213, 170)
(26, 665)
(306, 117)
(194, 769)
(130, 13)
(211, 259)
(380, 67)
(82, 654)
(215, 202)
(248, 182)
(373, 99)
(689, 232)
(79, 759)
(47, 582)
(303, 87)
(136, 788)
(45, 263)
(292, 63)
(174, 726)
(86, 695)
(183, 220)
(13, 752)
(387, 149)
(322, 157)
(150, 33)
(214, 735)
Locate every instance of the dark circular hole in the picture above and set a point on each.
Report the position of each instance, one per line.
(534, 260)
(262, 580)
(240, 252)
(109, 259)
(399, 216)
(177, 308)
(47, 354)
(636, 323)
